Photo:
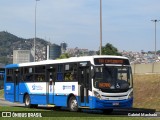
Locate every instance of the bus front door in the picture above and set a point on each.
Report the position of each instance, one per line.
(16, 85)
(84, 87)
(50, 85)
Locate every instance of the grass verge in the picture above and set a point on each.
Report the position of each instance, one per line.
(1, 93)
(146, 91)
(58, 115)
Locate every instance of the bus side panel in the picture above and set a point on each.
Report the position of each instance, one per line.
(36, 91)
(35, 99)
(60, 100)
(22, 91)
(62, 90)
(38, 99)
(9, 92)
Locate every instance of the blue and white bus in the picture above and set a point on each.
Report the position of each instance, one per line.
(93, 82)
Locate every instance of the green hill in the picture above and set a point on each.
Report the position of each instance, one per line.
(10, 42)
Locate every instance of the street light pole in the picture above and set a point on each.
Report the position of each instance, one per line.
(35, 32)
(100, 27)
(155, 36)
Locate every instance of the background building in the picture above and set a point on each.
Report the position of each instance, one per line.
(53, 51)
(63, 47)
(22, 56)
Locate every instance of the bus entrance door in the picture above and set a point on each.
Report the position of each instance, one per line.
(84, 87)
(16, 85)
(50, 85)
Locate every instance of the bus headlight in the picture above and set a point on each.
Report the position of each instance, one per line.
(130, 95)
(97, 95)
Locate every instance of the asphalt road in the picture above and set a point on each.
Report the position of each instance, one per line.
(117, 112)
(6, 103)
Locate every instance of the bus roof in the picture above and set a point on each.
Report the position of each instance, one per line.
(11, 66)
(71, 59)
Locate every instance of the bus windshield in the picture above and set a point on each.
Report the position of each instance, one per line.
(113, 78)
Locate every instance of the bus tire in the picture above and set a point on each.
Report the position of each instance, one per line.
(73, 104)
(27, 101)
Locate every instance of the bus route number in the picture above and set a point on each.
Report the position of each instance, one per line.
(104, 85)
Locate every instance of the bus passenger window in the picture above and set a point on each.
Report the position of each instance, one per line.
(9, 79)
(40, 78)
(29, 78)
(68, 76)
(59, 76)
(60, 73)
(70, 73)
(22, 78)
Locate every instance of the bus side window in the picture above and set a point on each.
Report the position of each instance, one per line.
(60, 73)
(22, 77)
(70, 73)
(40, 78)
(29, 77)
(9, 75)
(40, 73)
(59, 76)
(9, 79)
(67, 76)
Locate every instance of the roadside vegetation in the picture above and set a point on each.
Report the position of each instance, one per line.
(146, 91)
(1, 93)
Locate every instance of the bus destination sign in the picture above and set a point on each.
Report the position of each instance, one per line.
(99, 61)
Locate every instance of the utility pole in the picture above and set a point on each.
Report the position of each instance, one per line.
(155, 36)
(35, 32)
(100, 27)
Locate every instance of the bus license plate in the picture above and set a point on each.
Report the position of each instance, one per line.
(116, 104)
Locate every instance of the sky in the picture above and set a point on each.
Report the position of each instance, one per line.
(126, 24)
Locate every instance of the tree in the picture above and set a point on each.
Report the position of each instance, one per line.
(158, 52)
(63, 56)
(109, 49)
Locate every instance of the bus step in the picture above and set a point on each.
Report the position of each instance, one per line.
(50, 105)
(85, 107)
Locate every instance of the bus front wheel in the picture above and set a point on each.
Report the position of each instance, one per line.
(73, 105)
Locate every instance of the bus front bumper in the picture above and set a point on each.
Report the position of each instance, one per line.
(105, 104)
